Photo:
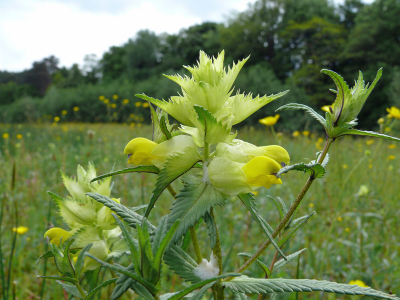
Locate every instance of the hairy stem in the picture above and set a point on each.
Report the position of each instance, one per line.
(289, 214)
(81, 291)
(218, 289)
(195, 243)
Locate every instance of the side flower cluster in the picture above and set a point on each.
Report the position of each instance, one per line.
(89, 221)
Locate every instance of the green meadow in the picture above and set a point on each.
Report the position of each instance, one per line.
(354, 235)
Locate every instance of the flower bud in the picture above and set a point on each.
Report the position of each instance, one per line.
(139, 151)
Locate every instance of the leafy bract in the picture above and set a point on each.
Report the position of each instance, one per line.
(192, 203)
(175, 167)
(70, 288)
(139, 169)
(244, 284)
(280, 263)
(315, 170)
(248, 201)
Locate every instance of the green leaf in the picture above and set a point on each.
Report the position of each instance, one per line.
(79, 262)
(200, 284)
(239, 296)
(297, 223)
(92, 277)
(123, 284)
(370, 133)
(62, 260)
(211, 228)
(181, 263)
(148, 268)
(244, 284)
(139, 169)
(164, 128)
(132, 244)
(192, 203)
(125, 213)
(70, 288)
(313, 113)
(176, 166)
(99, 287)
(152, 289)
(314, 169)
(45, 255)
(248, 201)
(263, 266)
(280, 263)
(64, 278)
(282, 208)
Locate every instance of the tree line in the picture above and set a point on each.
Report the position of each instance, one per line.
(289, 42)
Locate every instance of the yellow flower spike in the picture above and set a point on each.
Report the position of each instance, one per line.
(56, 119)
(391, 157)
(20, 229)
(394, 112)
(139, 151)
(269, 121)
(277, 153)
(113, 105)
(357, 281)
(56, 234)
(260, 171)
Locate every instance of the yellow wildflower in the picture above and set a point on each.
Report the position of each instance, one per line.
(19, 136)
(344, 166)
(126, 101)
(320, 140)
(56, 119)
(101, 98)
(394, 112)
(347, 229)
(20, 229)
(369, 142)
(296, 133)
(5, 135)
(311, 205)
(392, 146)
(326, 108)
(64, 112)
(358, 282)
(388, 129)
(340, 219)
(381, 120)
(306, 133)
(138, 104)
(139, 151)
(106, 101)
(56, 235)
(370, 166)
(259, 171)
(132, 124)
(113, 105)
(146, 104)
(76, 108)
(115, 97)
(269, 121)
(391, 157)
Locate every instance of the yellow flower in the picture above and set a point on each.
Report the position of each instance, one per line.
(381, 120)
(296, 133)
(358, 282)
(115, 97)
(101, 98)
(260, 172)
(347, 229)
(131, 115)
(6, 135)
(344, 166)
(132, 124)
(394, 112)
(277, 153)
(106, 101)
(391, 157)
(138, 104)
(113, 105)
(76, 108)
(306, 133)
(126, 101)
(56, 119)
(64, 112)
(56, 234)
(139, 151)
(340, 219)
(269, 121)
(326, 108)
(370, 166)
(20, 229)
(311, 205)
(145, 104)
(388, 129)
(392, 146)
(19, 136)
(369, 142)
(320, 140)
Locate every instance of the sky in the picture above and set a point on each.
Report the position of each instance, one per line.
(31, 30)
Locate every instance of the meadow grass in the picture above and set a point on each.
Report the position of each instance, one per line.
(353, 236)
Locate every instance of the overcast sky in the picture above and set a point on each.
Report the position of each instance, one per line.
(69, 29)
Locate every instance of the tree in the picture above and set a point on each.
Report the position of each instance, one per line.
(113, 64)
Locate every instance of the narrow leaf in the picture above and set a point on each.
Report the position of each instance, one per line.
(79, 262)
(70, 288)
(248, 201)
(263, 266)
(68, 279)
(297, 226)
(280, 263)
(181, 263)
(139, 169)
(97, 288)
(314, 169)
(45, 255)
(164, 128)
(370, 133)
(309, 110)
(163, 245)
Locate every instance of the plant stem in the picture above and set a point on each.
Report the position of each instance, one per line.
(81, 291)
(274, 134)
(218, 289)
(287, 217)
(196, 246)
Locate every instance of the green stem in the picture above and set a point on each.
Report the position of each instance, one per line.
(287, 217)
(218, 289)
(274, 134)
(196, 246)
(81, 291)
(206, 151)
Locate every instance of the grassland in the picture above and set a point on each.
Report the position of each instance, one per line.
(353, 235)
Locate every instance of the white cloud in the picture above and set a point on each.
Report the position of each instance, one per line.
(69, 29)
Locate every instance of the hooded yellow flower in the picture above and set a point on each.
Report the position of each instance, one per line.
(57, 235)
(269, 121)
(139, 151)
